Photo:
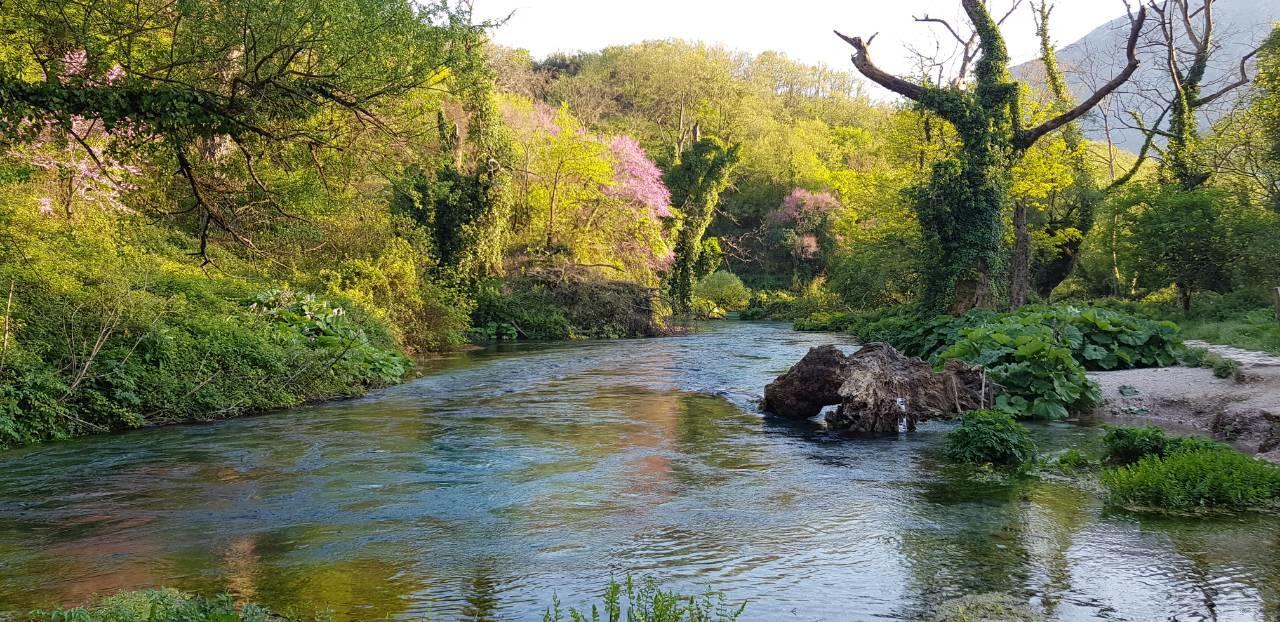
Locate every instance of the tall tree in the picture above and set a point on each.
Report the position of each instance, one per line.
(1186, 36)
(1069, 214)
(960, 207)
(696, 183)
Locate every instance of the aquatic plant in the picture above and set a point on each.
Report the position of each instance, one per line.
(1215, 478)
(990, 437)
(1126, 445)
(161, 605)
(646, 602)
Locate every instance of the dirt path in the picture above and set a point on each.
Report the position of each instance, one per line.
(1245, 414)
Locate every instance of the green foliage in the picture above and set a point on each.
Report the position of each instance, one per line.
(696, 184)
(1257, 330)
(162, 605)
(1034, 364)
(1195, 479)
(108, 332)
(552, 305)
(1040, 353)
(1126, 445)
(646, 602)
(519, 312)
(1180, 239)
(990, 437)
(724, 290)
(1074, 460)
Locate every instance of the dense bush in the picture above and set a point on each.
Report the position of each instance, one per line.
(108, 339)
(723, 290)
(990, 437)
(166, 605)
(548, 305)
(646, 602)
(1040, 353)
(1126, 445)
(1034, 364)
(1195, 479)
(786, 305)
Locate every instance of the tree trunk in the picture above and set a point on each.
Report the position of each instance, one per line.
(1020, 265)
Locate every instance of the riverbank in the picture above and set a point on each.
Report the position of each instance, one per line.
(1244, 412)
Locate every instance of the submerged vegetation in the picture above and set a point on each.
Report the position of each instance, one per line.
(990, 437)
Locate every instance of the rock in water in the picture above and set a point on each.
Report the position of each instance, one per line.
(878, 389)
(885, 388)
(809, 385)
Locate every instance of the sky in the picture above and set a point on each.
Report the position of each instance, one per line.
(799, 28)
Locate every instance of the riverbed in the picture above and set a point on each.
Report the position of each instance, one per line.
(504, 476)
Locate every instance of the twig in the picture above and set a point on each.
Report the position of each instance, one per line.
(4, 349)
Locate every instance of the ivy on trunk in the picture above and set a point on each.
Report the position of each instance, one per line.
(960, 206)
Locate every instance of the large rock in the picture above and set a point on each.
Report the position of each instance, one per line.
(810, 384)
(877, 388)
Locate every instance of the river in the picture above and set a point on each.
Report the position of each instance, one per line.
(501, 477)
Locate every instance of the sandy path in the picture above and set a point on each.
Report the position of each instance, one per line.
(1245, 414)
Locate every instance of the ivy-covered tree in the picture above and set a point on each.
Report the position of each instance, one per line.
(1186, 38)
(695, 184)
(960, 208)
(1069, 213)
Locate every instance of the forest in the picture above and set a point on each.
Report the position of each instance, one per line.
(213, 209)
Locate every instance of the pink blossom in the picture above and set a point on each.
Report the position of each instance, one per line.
(804, 209)
(115, 74)
(636, 178)
(541, 118)
(45, 205)
(75, 63)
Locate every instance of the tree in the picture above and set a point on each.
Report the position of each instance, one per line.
(216, 86)
(1069, 213)
(961, 206)
(1179, 238)
(1187, 50)
(696, 183)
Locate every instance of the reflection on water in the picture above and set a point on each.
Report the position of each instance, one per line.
(498, 478)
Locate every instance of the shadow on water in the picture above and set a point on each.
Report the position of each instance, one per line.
(501, 477)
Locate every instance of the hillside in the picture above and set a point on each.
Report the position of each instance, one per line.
(1239, 26)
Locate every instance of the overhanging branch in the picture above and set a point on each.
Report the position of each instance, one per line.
(1028, 137)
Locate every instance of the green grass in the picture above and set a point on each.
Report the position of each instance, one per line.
(646, 602)
(162, 605)
(1217, 478)
(1257, 330)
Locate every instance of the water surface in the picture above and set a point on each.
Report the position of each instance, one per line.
(498, 478)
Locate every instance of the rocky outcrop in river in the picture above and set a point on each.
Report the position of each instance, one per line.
(877, 388)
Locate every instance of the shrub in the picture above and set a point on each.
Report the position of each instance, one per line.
(724, 289)
(785, 305)
(1195, 479)
(1126, 445)
(647, 603)
(1074, 460)
(1040, 377)
(990, 437)
(164, 605)
(524, 311)
(564, 304)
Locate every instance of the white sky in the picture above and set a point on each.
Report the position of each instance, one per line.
(799, 28)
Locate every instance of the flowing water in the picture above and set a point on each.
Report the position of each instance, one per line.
(500, 478)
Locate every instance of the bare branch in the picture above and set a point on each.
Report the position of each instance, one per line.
(1028, 137)
(1244, 79)
(945, 24)
(862, 60)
